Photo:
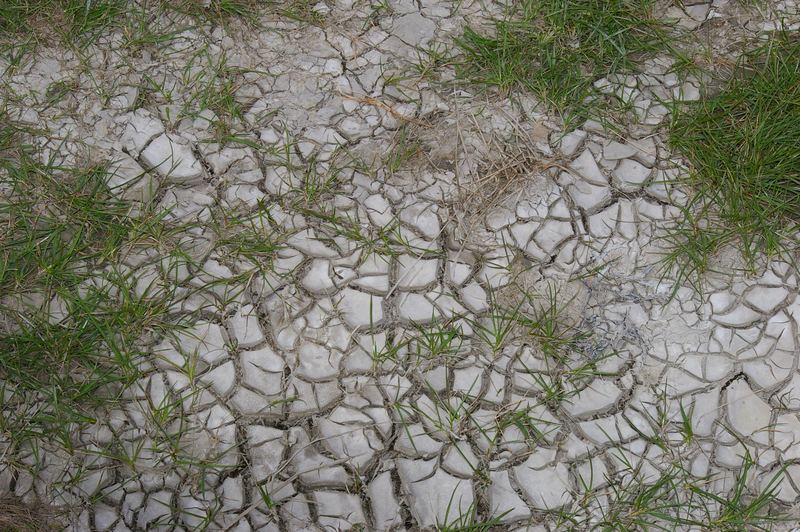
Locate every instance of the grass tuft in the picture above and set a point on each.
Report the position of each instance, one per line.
(557, 49)
(84, 17)
(24, 23)
(743, 145)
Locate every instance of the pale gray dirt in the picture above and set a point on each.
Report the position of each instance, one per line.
(301, 416)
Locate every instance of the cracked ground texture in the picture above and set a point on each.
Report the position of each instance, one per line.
(376, 376)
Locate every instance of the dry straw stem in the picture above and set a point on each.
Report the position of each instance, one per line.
(18, 517)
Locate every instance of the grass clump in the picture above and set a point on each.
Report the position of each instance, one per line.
(76, 17)
(557, 49)
(83, 20)
(743, 146)
(25, 23)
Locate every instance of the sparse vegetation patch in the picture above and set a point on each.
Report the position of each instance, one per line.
(74, 318)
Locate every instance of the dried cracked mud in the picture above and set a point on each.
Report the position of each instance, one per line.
(373, 377)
